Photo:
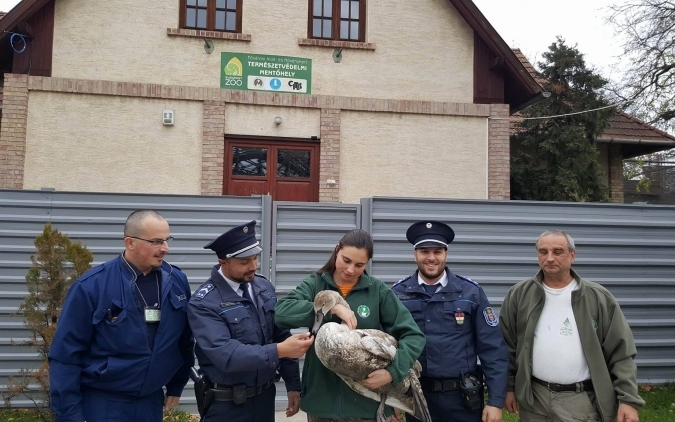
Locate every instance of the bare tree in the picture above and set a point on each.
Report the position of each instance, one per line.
(648, 86)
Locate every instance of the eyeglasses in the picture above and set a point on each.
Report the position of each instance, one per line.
(156, 243)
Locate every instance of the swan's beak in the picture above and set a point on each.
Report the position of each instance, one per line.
(318, 320)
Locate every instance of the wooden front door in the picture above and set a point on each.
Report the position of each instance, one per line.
(285, 170)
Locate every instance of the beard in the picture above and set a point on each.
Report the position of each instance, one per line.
(429, 275)
(244, 278)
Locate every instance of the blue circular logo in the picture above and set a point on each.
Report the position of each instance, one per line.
(275, 83)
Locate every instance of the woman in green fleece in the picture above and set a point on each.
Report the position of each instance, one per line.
(325, 397)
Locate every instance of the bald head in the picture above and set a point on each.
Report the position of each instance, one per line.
(134, 225)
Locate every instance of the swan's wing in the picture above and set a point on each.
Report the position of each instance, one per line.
(365, 392)
(379, 343)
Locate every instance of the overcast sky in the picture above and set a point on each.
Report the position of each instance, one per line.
(532, 26)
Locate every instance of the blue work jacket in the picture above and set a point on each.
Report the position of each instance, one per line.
(235, 341)
(460, 326)
(92, 351)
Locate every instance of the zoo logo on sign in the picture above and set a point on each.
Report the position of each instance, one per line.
(363, 311)
(234, 72)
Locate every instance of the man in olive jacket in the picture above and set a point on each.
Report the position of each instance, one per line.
(571, 349)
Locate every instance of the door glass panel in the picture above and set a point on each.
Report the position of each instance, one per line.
(249, 161)
(293, 163)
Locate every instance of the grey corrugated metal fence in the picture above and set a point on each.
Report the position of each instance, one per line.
(97, 220)
(303, 237)
(630, 249)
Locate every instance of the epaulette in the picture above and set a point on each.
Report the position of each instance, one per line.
(467, 279)
(262, 276)
(97, 269)
(203, 291)
(403, 279)
(176, 267)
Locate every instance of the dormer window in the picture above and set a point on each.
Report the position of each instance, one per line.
(211, 15)
(341, 20)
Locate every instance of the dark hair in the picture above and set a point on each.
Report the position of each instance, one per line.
(357, 238)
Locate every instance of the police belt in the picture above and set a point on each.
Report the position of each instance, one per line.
(433, 384)
(578, 387)
(227, 393)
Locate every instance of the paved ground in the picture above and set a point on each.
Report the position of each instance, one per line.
(299, 417)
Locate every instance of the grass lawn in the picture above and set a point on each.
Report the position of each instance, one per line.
(26, 415)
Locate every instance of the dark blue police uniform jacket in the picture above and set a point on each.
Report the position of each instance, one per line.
(93, 353)
(236, 342)
(451, 348)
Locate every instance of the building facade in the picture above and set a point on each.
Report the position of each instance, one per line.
(403, 99)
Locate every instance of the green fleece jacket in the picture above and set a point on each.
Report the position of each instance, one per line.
(376, 306)
(605, 336)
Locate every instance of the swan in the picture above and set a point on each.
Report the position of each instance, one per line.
(354, 354)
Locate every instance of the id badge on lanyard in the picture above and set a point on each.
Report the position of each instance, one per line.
(152, 314)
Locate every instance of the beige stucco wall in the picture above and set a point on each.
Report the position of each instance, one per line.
(424, 48)
(112, 144)
(259, 121)
(385, 154)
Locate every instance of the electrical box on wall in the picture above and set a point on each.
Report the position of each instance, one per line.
(167, 117)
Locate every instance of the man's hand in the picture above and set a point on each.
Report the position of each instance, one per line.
(511, 404)
(492, 414)
(377, 379)
(170, 402)
(295, 346)
(345, 314)
(627, 413)
(293, 403)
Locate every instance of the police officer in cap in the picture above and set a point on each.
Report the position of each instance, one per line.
(239, 348)
(460, 326)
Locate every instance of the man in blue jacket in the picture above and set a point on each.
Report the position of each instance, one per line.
(460, 325)
(239, 347)
(123, 333)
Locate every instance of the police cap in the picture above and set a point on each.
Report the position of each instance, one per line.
(238, 242)
(430, 234)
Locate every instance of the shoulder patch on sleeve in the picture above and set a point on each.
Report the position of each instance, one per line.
(403, 279)
(490, 317)
(203, 291)
(467, 279)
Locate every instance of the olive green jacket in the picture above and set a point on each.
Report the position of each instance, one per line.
(605, 336)
(376, 306)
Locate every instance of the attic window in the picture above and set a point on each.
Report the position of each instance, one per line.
(341, 20)
(211, 15)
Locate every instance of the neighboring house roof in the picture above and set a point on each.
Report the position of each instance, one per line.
(525, 90)
(636, 136)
